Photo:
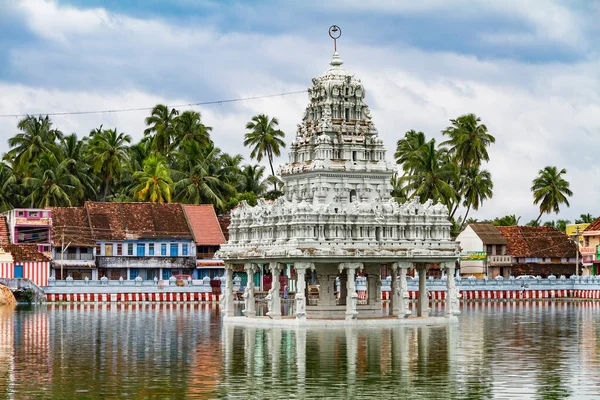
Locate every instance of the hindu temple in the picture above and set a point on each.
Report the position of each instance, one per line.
(337, 220)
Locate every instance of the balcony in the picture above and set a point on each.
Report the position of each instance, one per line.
(75, 260)
(499, 260)
(146, 262)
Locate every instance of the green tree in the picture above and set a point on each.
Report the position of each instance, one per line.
(265, 139)
(189, 128)
(550, 190)
(409, 148)
(50, 183)
(469, 140)
(507, 220)
(72, 153)
(585, 219)
(8, 195)
(201, 177)
(431, 170)
(252, 180)
(161, 123)
(153, 181)
(36, 138)
(107, 153)
(478, 187)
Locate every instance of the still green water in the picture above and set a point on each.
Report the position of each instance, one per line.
(498, 350)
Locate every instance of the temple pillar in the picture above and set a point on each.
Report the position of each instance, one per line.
(250, 305)
(423, 306)
(403, 298)
(394, 299)
(301, 289)
(452, 295)
(351, 296)
(228, 295)
(273, 300)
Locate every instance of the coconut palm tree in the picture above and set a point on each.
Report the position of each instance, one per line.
(409, 147)
(72, 152)
(8, 196)
(189, 127)
(507, 220)
(550, 190)
(585, 219)
(50, 183)
(36, 137)
(161, 123)
(265, 139)
(107, 154)
(431, 172)
(201, 177)
(252, 180)
(478, 187)
(154, 182)
(469, 140)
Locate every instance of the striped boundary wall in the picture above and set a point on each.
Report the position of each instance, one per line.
(37, 271)
(133, 297)
(504, 294)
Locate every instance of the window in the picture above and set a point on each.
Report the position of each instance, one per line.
(166, 272)
(20, 213)
(108, 249)
(174, 250)
(184, 249)
(163, 249)
(141, 249)
(33, 214)
(119, 249)
(129, 249)
(151, 249)
(133, 272)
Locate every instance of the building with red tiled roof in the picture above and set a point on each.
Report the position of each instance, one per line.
(22, 260)
(208, 237)
(484, 251)
(539, 250)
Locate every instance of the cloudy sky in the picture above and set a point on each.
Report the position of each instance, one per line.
(529, 69)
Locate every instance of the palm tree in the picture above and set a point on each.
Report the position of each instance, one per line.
(432, 170)
(161, 122)
(252, 180)
(107, 153)
(468, 146)
(201, 178)
(507, 220)
(478, 187)
(399, 191)
(585, 219)
(72, 152)
(265, 139)
(409, 147)
(51, 184)
(8, 195)
(189, 127)
(37, 137)
(154, 181)
(550, 190)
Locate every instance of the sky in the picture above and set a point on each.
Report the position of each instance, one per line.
(529, 69)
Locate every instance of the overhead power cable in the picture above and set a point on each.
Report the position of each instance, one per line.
(122, 110)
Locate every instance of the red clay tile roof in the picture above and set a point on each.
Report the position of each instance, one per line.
(204, 224)
(25, 252)
(594, 226)
(73, 222)
(488, 233)
(4, 239)
(132, 221)
(537, 241)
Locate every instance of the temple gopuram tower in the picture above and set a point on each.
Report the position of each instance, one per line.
(337, 219)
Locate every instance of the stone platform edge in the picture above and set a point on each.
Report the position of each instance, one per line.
(291, 322)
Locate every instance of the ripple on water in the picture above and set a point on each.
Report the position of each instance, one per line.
(502, 350)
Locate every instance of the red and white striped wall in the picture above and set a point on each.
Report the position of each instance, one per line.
(133, 297)
(37, 271)
(513, 294)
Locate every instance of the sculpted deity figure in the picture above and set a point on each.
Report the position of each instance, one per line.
(270, 301)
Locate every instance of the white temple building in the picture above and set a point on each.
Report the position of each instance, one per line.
(337, 218)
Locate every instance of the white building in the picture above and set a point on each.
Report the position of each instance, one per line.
(337, 217)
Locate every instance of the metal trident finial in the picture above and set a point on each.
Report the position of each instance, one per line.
(335, 32)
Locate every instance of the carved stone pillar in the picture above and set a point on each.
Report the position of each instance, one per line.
(351, 296)
(301, 289)
(394, 298)
(274, 303)
(452, 295)
(423, 309)
(403, 298)
(228, 295)
(250, 307)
